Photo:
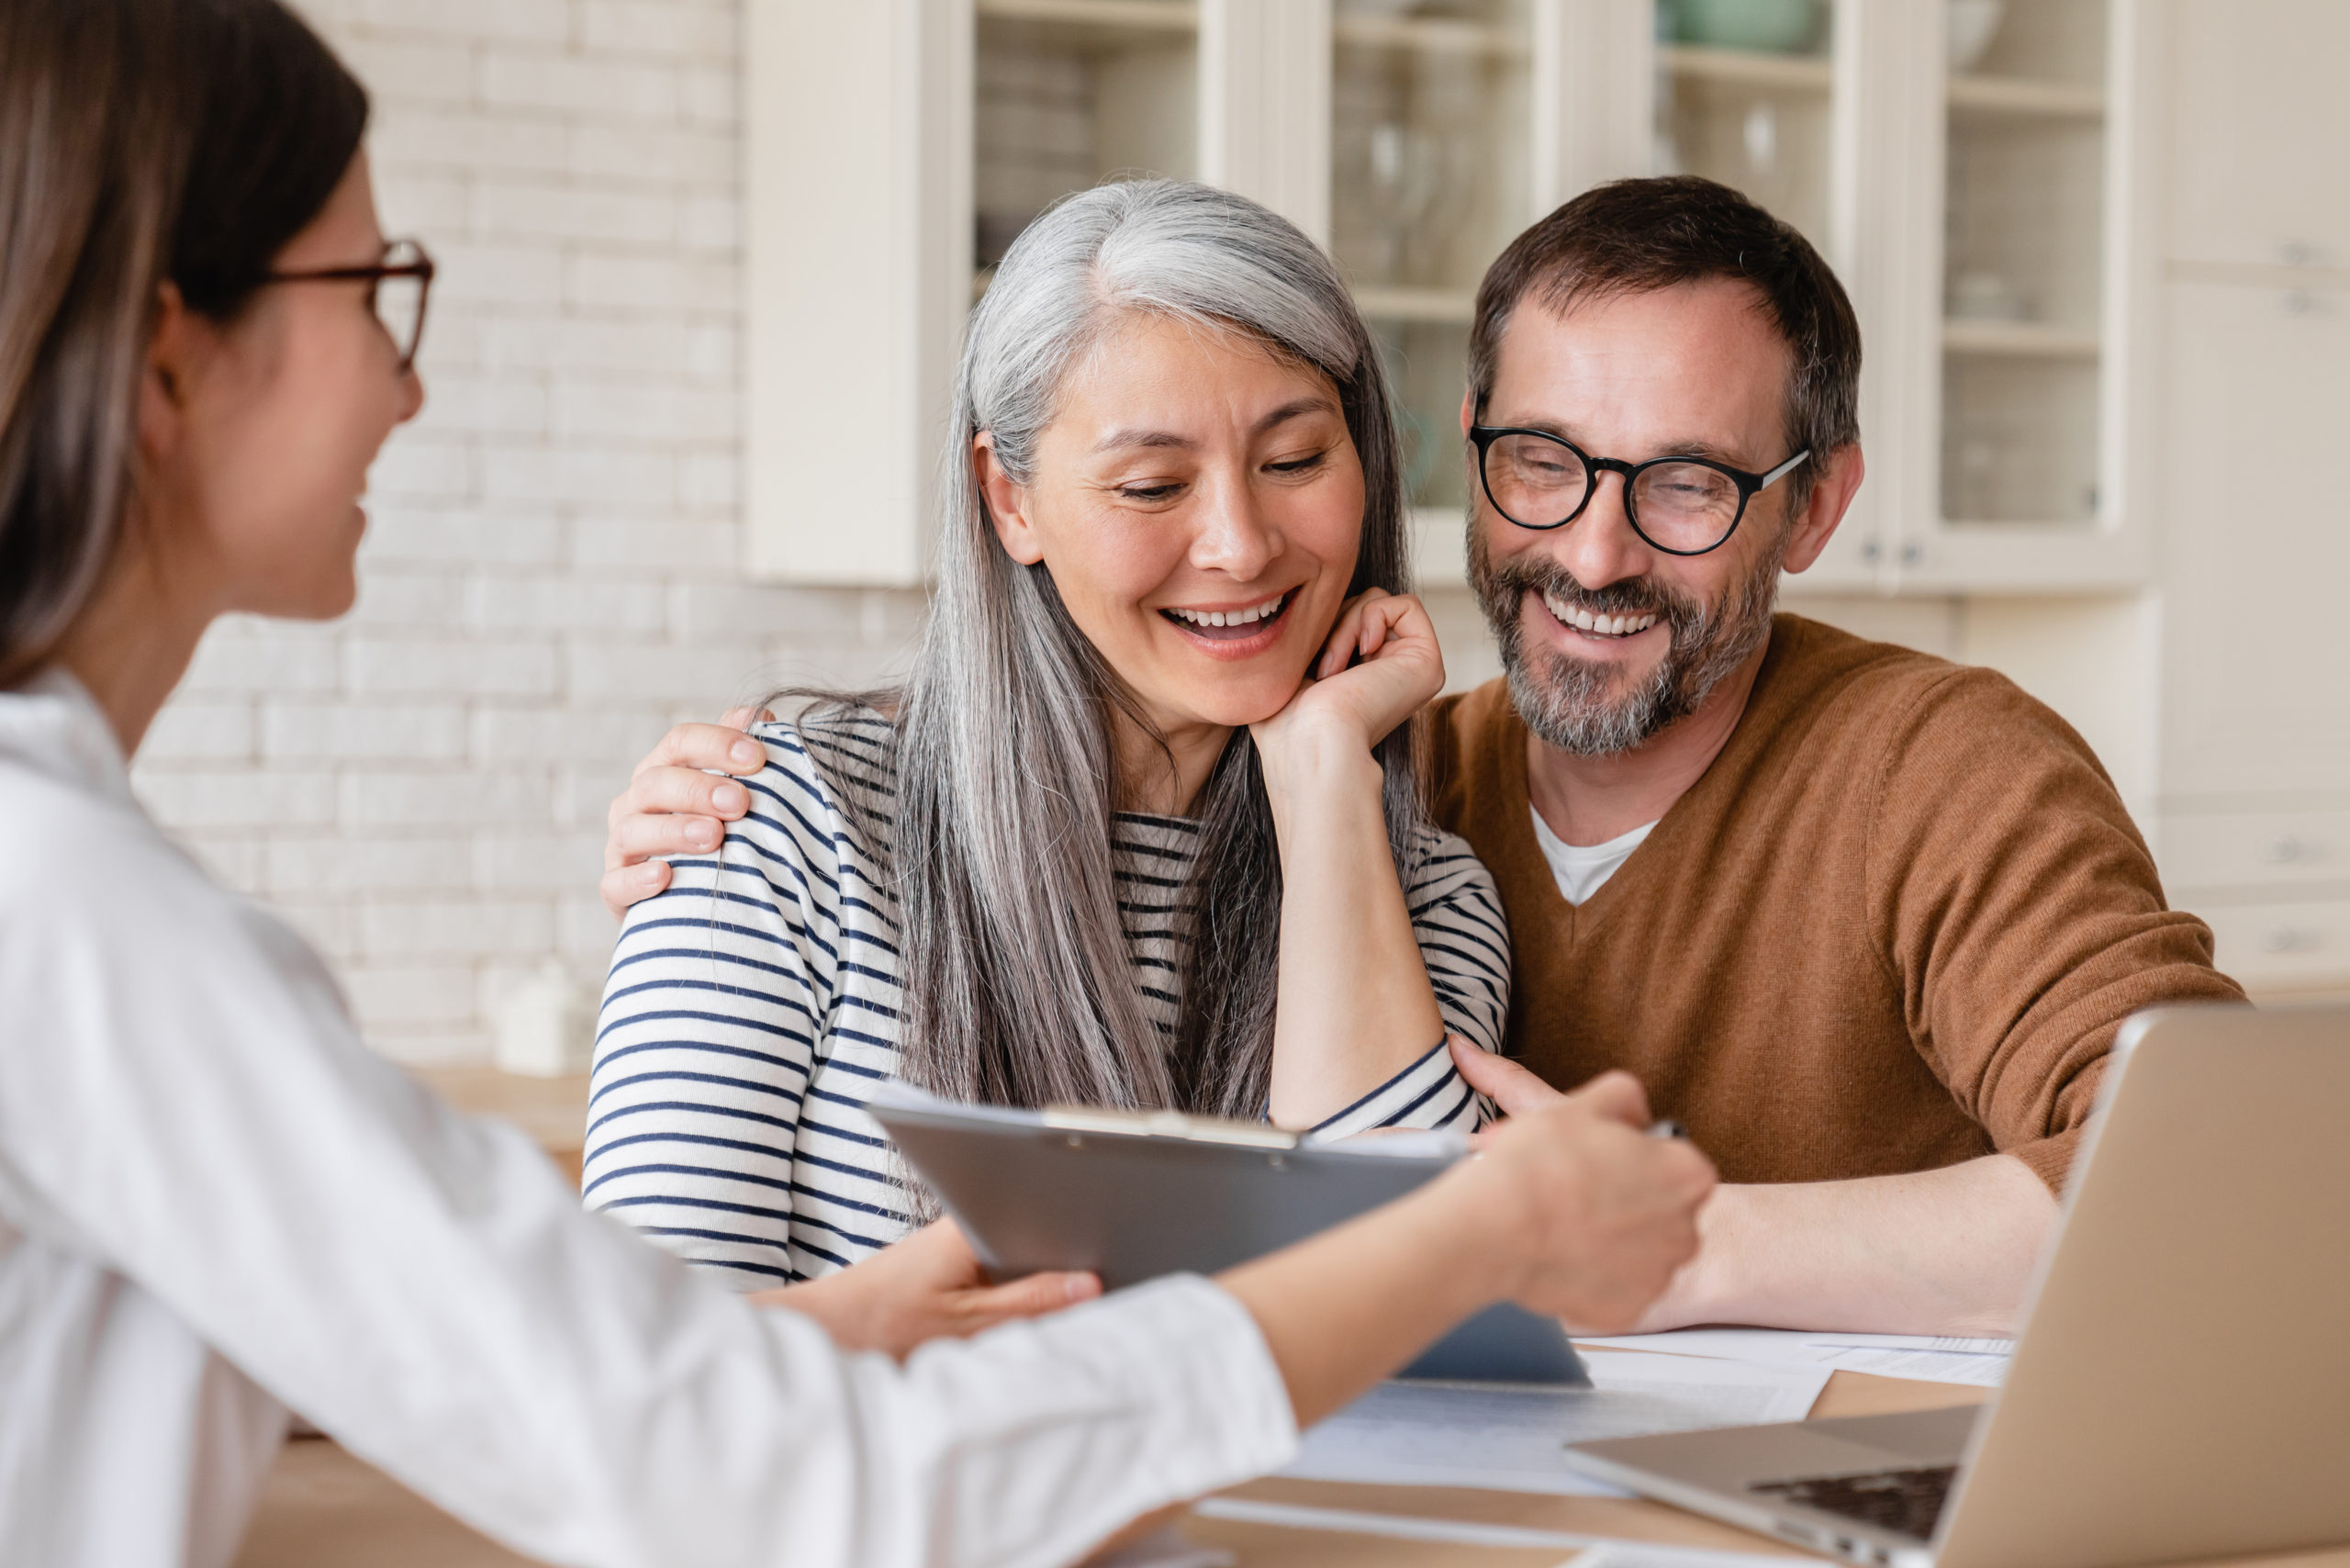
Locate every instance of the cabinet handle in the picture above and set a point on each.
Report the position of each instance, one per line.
(1871, 550)
(1912, 555)
(2300, 302)
(2287, 850)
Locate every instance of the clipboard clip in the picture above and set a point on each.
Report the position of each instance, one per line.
(1166, 1124)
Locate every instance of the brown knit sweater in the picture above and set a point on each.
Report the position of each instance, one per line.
(1894, 926)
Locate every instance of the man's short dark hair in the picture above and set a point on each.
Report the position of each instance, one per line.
(1631, 235)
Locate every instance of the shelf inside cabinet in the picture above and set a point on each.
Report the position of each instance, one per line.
(1399, 303)
(1784, 73)
(1140, 15)
(1435, 35)
(2021, 339)
(2026, 97)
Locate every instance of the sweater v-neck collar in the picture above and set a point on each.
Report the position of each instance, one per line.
(1578, 921)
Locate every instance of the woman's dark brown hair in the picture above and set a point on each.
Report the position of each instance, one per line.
(142, 142)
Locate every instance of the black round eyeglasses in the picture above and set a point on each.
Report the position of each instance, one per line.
(1682, 506)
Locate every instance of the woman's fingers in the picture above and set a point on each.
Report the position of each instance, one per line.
(1032, 1297)
(1618, 1096)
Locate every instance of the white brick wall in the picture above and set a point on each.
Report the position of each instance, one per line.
(549, 578)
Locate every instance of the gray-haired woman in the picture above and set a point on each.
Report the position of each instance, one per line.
(1140, 830)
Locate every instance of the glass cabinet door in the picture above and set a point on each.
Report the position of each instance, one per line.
(2024, 262)
(1429, 150)
(1068, 93)
(1743, 94)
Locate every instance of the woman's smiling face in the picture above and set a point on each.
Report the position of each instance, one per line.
(1199, 503)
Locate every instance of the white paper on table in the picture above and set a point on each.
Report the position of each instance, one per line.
(1981, 1361)
(1643, 1554)
(1592, 1552)
(1511, 1437)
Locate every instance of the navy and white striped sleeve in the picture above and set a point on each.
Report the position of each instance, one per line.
(1464, 942)
(713, 1018)
(1464, 939)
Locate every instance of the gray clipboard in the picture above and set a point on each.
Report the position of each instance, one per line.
(1131, 1196)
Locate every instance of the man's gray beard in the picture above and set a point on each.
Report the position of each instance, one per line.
(1564, 701)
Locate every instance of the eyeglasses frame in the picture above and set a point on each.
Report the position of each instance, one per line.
(1748, 484)
(421, 268)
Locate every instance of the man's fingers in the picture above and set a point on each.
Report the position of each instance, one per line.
(1502, 1080)
(639, 838)
(626, 885)
(682, 789)
(744, 717)
(720, 747)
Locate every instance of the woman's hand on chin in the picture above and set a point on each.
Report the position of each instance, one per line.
(928, 1286)
(1355, 704)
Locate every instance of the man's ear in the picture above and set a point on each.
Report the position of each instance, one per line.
(165, 379)
(1832, 497)
(1468, 411)
(1007, 503)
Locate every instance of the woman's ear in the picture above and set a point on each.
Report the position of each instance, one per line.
(165, 380)
(1007, 503)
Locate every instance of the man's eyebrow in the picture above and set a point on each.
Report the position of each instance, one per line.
(1133, 437)
(1707, 449)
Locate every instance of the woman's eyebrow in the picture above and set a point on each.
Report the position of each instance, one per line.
(1119, 439)
(1313, 404)
(1132, 437)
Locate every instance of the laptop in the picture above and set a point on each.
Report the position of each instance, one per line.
(2181, 1388)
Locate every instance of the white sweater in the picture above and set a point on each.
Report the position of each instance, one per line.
(216, 1204)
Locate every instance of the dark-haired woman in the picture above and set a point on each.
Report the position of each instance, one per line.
(216, 1204)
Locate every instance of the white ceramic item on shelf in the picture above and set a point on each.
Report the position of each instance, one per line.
(545, 1029)
(1973, 25)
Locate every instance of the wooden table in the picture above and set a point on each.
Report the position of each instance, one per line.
(322, 1509)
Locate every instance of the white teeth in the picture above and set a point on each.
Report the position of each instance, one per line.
(1599, 625)
(1230, 617)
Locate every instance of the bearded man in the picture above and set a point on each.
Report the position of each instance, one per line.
(1865, 921)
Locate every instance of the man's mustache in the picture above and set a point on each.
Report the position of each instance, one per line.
(1633, 596)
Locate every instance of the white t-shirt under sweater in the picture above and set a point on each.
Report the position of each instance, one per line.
(1581, 871)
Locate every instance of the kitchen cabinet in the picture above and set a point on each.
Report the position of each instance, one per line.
(1984, 210)
(2254, 832)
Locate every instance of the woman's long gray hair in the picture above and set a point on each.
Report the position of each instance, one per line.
(1019, 989)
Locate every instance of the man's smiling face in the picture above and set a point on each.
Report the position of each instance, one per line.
(1606, 639)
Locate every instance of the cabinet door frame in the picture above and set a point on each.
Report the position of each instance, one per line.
(856, 275)
(2116, 552)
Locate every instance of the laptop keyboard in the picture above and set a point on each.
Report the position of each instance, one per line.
(1908, 1501)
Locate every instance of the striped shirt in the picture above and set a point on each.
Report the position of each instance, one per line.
(752, 1007)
